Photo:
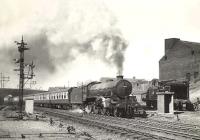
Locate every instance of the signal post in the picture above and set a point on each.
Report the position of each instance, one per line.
(21, 48)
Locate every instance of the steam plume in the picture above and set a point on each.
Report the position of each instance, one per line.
(70, 28)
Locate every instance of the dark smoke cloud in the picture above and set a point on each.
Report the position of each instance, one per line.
(59, 37)
(113, 46)
(39, 52)
(48, 56)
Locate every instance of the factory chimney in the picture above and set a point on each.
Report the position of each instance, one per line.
(119, 77)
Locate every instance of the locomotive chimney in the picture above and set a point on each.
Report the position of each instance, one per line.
(119, 77)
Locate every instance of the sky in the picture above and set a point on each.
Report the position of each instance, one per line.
(75, 41)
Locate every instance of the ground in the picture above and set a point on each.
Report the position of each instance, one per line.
(188, 117)
(31, 128)
(14, 128)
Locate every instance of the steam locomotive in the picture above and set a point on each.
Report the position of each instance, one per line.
(180, 89)
(111, 97)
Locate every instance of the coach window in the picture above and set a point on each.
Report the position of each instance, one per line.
(66, 93)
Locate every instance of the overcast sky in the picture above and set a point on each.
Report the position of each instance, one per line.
(80, 40)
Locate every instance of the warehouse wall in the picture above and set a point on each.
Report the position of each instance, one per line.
(181, 58)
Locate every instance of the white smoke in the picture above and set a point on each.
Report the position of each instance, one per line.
(57, 30)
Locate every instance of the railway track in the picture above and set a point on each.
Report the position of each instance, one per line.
(134, 128)
(102, 124)
(177, 126)
(176, 131)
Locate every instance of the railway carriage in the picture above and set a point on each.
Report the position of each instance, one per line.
(54, 99)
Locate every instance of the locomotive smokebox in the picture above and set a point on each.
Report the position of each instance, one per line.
(120, 77)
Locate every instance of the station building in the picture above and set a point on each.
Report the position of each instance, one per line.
(181, 60)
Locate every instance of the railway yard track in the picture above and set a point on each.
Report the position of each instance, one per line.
(137, 128)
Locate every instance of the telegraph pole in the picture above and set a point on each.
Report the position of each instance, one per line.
(4, 79)
(21, 48)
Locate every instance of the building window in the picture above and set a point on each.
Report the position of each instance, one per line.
(165, 57)
(192, 52)
(188, 76)
(196, 74)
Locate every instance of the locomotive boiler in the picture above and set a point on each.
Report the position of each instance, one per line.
(111, 89)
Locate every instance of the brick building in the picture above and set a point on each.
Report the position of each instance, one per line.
(181, 60)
